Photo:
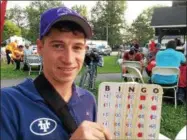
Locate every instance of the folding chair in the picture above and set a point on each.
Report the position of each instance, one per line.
(133, 73)
(34, 61)
(181, 134)
(168, 71)
(135, 64)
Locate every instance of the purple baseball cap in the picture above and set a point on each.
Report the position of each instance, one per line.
(52, 16)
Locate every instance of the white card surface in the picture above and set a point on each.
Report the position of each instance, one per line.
(130, 110)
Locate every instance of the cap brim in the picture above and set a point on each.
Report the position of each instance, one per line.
(83, 23)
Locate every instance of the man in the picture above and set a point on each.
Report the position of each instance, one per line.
(168, 58)
(135, 44)
(25, 113)
(27, 51)
(151, 62)
(132, 55)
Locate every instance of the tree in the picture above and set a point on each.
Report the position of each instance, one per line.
(10, 29)
(33, 12)
(140, 28)
(108, 21)
(16, 15)
(82, 10)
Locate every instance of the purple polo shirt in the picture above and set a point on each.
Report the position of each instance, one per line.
(26, 116)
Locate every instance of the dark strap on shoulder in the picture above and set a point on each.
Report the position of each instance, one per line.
(55, 102)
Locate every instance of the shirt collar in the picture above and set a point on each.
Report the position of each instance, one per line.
(170, 49)
(32, 92)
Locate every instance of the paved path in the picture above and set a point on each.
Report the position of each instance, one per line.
(101, 77)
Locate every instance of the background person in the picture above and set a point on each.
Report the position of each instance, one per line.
(133, 55)
(152, 46)
(27, 51)
(26, 114)
(151, 62)
(178, 42)
(168, 58)
(135, 44)
(182, 86)
(17, 56)
(9, 50)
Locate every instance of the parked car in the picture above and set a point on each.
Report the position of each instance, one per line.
(104, 50)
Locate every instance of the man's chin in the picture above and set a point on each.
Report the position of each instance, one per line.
(64, 79)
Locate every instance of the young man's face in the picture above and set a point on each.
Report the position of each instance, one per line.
(63, 55)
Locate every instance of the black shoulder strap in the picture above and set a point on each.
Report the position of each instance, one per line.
(55, 102)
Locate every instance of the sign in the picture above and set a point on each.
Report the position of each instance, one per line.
(130, 111)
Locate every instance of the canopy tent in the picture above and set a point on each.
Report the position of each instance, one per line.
(170, 21)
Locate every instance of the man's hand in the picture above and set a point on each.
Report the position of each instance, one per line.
(91, 131)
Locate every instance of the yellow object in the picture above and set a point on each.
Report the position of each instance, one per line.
(17, 54)
(11, 47)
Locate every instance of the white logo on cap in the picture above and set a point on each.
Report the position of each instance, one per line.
(63, 11)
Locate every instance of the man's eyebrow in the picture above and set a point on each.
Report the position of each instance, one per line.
(60, 41)
(79, 44)
(56, 41)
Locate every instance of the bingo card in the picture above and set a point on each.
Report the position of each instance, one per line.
(130, 110)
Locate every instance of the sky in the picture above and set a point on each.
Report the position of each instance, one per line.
(134, 8)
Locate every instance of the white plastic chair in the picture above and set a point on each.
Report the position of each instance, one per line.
(133, 73)
(162, 137)
(33, 61)
(135, 64)
(182, 134)
(168, 71)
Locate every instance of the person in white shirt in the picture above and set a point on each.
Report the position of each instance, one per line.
(27, 51)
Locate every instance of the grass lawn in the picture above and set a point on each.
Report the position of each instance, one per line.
(7, 70)
(110, 66)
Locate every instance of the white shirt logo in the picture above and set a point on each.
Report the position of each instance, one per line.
(43, 126)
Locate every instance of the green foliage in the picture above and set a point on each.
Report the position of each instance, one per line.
(10, 29)
(140, 28)
(172, 120)
(108, 21)
(82, 10)
(33, 12)
(17, 16)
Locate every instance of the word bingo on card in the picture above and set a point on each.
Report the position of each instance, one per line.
(130, 110)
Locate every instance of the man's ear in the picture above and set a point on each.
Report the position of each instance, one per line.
(40, 46)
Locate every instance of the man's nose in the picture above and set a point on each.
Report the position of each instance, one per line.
(68, 56)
